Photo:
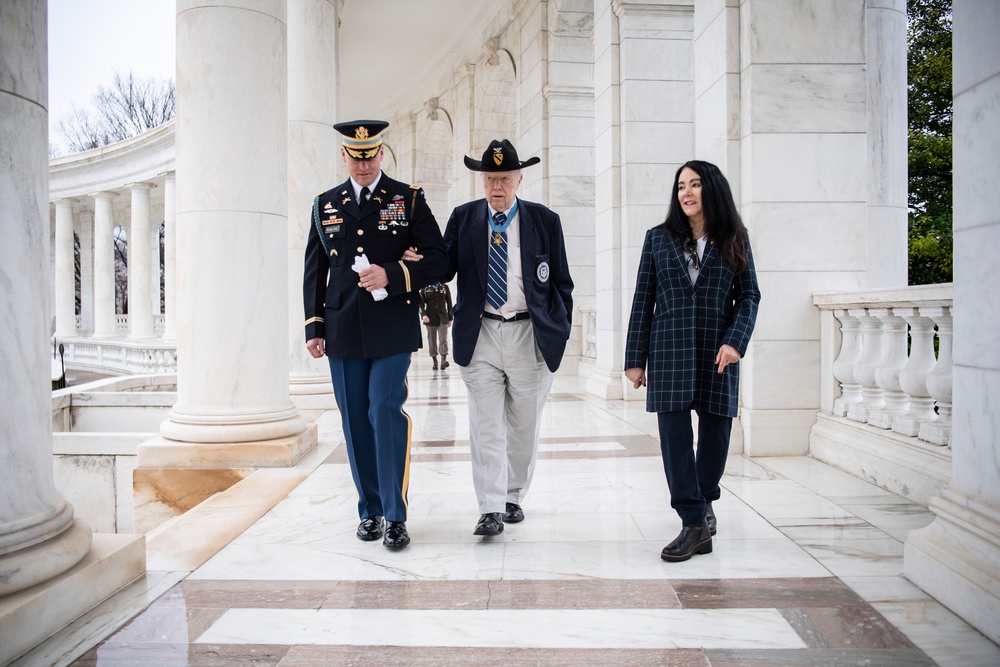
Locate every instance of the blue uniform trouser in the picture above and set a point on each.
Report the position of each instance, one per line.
(370, 394)
(693, 479)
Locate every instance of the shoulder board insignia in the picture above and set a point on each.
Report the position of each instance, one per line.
(415, 186)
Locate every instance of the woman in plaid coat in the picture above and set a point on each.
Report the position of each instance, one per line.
(694, 309)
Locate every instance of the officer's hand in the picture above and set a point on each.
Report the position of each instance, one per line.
(373, 278)
(410, 255)
(426, 319)
(316, 347)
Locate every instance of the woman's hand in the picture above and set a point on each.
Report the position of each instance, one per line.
(636, 376)
(727, 355)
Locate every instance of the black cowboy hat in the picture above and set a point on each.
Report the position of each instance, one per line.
(499, 156)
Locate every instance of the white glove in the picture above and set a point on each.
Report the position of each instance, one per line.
(360, 264)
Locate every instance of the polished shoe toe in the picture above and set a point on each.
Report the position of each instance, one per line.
(713, 524)
(489, 524)
(513, 513)
(396, 536)
(691, 540)
(371, 528)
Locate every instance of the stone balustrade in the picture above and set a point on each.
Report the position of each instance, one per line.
(114, 356)
(885, 394)
(886, 367)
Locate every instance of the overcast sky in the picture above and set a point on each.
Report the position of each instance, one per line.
(90, 39)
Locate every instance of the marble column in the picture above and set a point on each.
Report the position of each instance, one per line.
(886, 210)
(644, 92)
(104, 266)
(169, 259)
(65, 304)
(86, 231)
(802, 128)
(52, 567)
(563, 133)
(233, 412)
(313, 156)
(957, 557)
(140, 308)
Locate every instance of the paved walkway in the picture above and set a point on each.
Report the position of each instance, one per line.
(807, 566)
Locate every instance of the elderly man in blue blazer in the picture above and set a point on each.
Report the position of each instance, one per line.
(512, 320)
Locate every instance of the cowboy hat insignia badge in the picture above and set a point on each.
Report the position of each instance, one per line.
(498, 155)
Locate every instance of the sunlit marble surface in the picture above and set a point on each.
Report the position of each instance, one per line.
(806, 567)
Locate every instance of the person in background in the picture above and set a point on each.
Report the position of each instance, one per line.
(694, 309)
(361, 303)
(435, 312)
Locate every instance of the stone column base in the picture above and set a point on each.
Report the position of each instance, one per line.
(312, 404)
(776, 432)
(956, 559)
(610, 385)
(41, 562)
(31, 616)
(171, 477)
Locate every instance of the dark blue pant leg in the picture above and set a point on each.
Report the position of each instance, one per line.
(677, 448)
(350, 379)
(713, 449)
(386, 395)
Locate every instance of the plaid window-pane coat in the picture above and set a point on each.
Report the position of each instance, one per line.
(676, 328)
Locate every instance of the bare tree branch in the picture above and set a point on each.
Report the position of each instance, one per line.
(129, 106)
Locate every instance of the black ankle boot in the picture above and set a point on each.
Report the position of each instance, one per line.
(691, 540)
(713, 523)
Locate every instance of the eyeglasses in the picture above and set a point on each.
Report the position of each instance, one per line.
(691, 246)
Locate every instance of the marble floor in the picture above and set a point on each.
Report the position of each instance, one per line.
(806, 568)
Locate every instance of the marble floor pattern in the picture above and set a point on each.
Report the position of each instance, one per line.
(806, 568)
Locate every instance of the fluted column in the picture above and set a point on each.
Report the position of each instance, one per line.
(312, 166)
(140, 308)
(104, 266)
(65, 274)
(957, 557)
(169, 259)
(39, 537)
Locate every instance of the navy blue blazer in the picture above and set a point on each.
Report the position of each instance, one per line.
(548, 287)
(353, 324)
(676, 327)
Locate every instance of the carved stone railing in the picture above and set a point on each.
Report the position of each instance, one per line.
(120, 357)
(880, 373)
(588, 326)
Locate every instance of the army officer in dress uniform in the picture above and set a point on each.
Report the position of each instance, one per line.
(361, 302)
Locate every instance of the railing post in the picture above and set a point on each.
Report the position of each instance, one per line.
(913, 377)
(872, 353)
(938, 432)
(847, 361)
(887, 373)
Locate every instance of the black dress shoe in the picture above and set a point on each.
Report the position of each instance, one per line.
(396, 536)
(513, 513)
(692, 540)
(710, 517)
(371, 528)
(489, 524)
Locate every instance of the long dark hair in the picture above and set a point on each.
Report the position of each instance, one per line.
(722, 221)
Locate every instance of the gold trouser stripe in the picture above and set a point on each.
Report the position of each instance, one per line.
(406, 275)
(409, 439)
(314, 319)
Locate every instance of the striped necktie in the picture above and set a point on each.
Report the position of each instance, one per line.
(496, 283)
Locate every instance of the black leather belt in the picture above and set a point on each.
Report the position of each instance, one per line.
(499, 318)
